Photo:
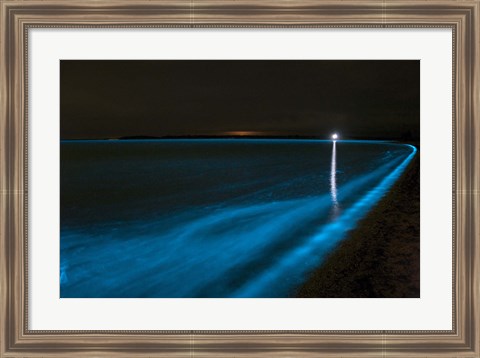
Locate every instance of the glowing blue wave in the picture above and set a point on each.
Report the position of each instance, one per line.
(239, 249)
(298, 260)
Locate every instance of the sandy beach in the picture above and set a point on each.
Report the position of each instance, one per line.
(381, 257)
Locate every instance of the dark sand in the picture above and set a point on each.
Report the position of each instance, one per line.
(381, 258)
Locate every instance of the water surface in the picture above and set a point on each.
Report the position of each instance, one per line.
(212, 218)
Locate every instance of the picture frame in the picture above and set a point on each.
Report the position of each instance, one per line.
(20, 16)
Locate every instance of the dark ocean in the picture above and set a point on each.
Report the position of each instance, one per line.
(212, 217)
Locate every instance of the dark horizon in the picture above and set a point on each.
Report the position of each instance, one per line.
(367, 99)
(327, 137)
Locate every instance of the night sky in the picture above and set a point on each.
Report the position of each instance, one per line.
(358, 99)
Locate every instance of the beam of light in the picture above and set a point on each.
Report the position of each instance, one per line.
(333, 180)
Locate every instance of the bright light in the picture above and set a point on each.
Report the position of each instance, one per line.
(334, 136)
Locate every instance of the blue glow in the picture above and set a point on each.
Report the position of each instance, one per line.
(327, 237)
(251, 226)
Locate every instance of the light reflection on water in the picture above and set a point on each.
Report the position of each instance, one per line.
(259, 243)
(333, 180)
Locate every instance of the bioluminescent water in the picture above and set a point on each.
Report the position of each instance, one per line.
(212, 218)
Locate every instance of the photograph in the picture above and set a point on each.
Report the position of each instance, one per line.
(239, 179)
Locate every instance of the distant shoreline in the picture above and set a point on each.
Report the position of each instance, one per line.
(381, 257)
(383, 139)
